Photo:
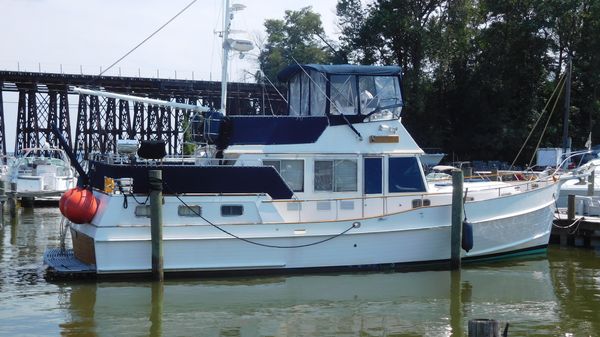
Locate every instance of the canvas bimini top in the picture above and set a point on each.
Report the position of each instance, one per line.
(344, 93)
(318, 96)
(339, 69)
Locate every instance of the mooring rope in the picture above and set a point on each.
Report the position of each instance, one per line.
(576, 222)
(354, 225)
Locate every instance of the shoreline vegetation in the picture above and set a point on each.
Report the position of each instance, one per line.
(477, 74)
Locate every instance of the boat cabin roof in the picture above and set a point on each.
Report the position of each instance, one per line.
(339, 69)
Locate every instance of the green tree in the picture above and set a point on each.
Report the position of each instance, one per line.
(299, 37)
(351, 17)
(476, 73)
(573, 28)
(587, 73)
(393, 32)
(452, 55)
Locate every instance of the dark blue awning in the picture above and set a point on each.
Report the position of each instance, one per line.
(276, 130)
(340, 69)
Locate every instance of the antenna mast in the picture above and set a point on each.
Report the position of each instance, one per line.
(240, 45)
(225, 61)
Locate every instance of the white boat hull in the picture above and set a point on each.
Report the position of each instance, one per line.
(418, 236)
(42, 172)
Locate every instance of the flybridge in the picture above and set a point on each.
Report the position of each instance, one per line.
(345, 93)
(321, 95)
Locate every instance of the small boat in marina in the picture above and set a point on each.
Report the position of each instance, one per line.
(5, 164)
(581, 187)
(41, 173)
(431, 159)
(336, 182)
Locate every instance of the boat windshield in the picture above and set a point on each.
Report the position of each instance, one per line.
(377, 97)
(46, 153)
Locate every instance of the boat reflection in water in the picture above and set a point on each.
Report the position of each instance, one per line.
(434, 303)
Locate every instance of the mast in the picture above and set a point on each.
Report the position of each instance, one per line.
(567, 106)
(225, 62)
(239, 45)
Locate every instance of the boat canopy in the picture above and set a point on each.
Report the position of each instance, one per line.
(344, 93)
(340, 69)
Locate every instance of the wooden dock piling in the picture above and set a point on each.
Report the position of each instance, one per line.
(571, 207)
(484, 328)
(155, 181)
(13, 203)
(2, 201)
(457, 218)
(590, 185)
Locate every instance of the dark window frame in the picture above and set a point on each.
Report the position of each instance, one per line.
(230, 210)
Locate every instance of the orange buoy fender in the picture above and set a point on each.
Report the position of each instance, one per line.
(79, 205)
(63, 198)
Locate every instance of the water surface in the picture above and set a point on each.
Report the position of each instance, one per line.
(541, 295)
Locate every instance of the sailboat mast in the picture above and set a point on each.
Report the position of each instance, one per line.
(567, 105)
(225, 62)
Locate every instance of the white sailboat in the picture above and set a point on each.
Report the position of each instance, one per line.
(336, 183)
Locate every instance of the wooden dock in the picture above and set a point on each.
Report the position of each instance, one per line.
(577, 230)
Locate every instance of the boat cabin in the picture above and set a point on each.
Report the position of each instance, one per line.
(362, 150)
(342, 138)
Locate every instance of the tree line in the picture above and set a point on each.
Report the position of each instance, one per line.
(477, 74)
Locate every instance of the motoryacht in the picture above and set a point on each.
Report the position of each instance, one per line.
(41, 173)
(336, 183)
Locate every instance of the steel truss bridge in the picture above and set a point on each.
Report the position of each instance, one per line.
(43, 101)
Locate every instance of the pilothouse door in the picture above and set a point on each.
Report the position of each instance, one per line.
(373, 186)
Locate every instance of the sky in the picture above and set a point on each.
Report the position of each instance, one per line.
(86, 36)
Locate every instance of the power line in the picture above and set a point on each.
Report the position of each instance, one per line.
(147, 38)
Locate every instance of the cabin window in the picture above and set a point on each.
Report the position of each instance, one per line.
(189, 210)
(336, 175)
(343, 95)
(142, 211)
(416, 203)
(232, 210)
(405, 175)
(291, 171)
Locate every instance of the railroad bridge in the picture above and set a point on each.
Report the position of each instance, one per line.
(43, 100)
